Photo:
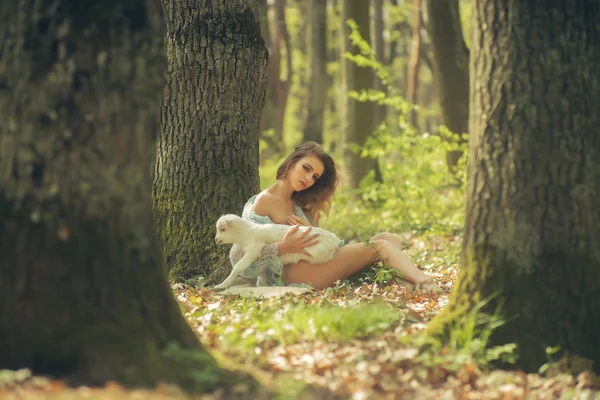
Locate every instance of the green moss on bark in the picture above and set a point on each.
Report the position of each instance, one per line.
(188, 244)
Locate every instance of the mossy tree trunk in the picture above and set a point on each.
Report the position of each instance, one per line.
(451, 63)
(84, 290)
(532, 231)
(316, 97)
(207, 152)
(359, 114)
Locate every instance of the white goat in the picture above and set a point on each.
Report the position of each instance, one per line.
(252, 237)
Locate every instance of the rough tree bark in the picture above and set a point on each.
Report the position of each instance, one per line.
(316, 96)
(83, 287)
(359, 114)
(412, 86)
(532, 232)
(451, 63)
(207, 152)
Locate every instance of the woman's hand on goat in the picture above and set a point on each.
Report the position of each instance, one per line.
(291, 243)
(295, 220)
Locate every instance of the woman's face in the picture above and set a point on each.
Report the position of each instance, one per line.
(305, 172)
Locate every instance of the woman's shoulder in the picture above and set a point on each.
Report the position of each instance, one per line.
(254, 210)
(263, 203)
(269, 206)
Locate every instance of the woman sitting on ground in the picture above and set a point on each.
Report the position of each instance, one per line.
(306, 181)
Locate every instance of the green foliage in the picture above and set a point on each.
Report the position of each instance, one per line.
(9, 377)
(550, 352)
(386, 276)
(560, 362)
(418, 191)
(366, 57)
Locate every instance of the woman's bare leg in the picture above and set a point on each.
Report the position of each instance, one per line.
(422, 279)
(347, 260)
(350, 259)
(390, 237)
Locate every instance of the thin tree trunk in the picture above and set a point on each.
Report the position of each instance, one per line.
(334, 101)
(84, 290)
(267, 122)
(346, 82)
(317, 72)
(360, 114)
(451, 61)
(400, 82)
(281, 88)
(207, 153)
(532, 232)
(380, 110)
(396, 27)
(415, 61)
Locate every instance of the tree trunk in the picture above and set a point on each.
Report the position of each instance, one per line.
(532, 231)
(395, 27)
(379, 46)
(84, 290)
(334, 102)
(316, 72)
(360, 114)
(207, 153)
(281, 88)
(267, 122)
(451, 63)
(346, 81)
(415, 62)
(400, 81)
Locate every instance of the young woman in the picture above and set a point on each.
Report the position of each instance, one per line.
(306, 181)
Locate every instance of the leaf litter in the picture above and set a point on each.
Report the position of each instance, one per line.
(382, 362)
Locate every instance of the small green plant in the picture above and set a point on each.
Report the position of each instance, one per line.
(387, 276)
(551, 362)
(384, 275)
(467, 342)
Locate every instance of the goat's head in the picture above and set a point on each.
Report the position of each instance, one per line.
(228, 229)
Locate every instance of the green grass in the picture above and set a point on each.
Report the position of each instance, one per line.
(250, 322)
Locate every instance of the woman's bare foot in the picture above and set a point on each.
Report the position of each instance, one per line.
(429, 284)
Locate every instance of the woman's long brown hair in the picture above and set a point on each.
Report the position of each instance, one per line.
(317, 198)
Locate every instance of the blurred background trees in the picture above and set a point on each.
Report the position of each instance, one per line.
(406, 37)
(383, 85)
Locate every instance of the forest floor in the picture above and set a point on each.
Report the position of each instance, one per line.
(359, 340)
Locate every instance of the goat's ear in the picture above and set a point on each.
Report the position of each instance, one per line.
(228, 222)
